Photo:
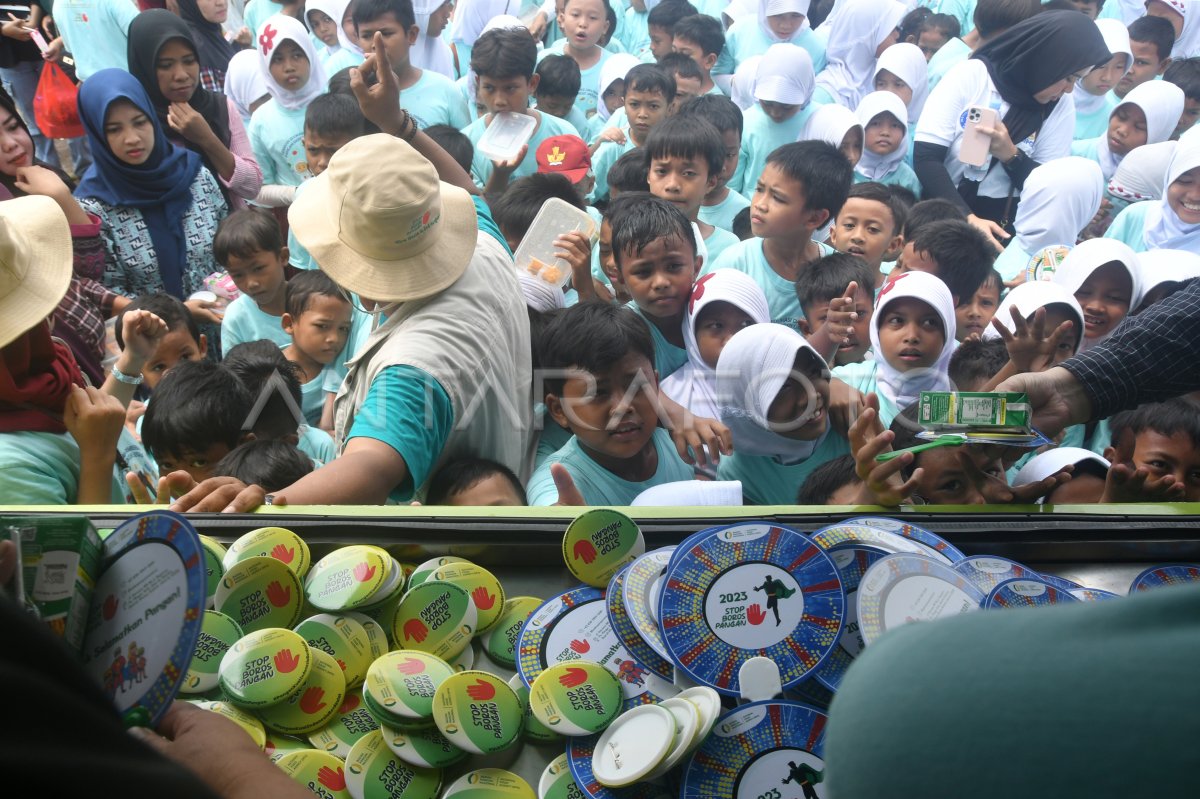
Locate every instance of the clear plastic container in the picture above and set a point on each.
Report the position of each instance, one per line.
(535, 254)
(503, 139)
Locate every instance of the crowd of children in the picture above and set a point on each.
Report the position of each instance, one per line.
(805, 214)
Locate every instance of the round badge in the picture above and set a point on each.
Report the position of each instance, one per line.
(598, 543)
(347, 578)
(377, 641)
(435, 617)
(641, 593)
(1058, 582)
(633, 746)
(218, 632)
(578, 697)
(484, 589)
(1092, 594)
(352, 722)
(557, 782)
(252, 726)
(271, 542)
(344, 639)
(1160, 576)
(402, 685)
(424, 571)
(892, 543)
(489, 783)
(373, 772)
(265, 667)
(573, 626)
(500, 642)
(751, 590)
(687, 726)
(464, 660)
(531, 729)
(477, 712)
(214, 553)
(389, 594)
(852, 561)
(320, 772)
(987, 572)
(759, 749)
(314, 704)
(426, 748)
(580, 750)
(900, 589)
(926, 538)
(708, 704)
(278, 745)
(1025, 593)
(259, 593)
(629, 634)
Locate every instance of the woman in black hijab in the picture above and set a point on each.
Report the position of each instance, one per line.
(212, 48)
(164, 58)
(1026, 74)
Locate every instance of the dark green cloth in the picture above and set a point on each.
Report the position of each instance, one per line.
(1088, 700)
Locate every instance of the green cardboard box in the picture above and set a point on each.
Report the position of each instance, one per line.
(994, 411)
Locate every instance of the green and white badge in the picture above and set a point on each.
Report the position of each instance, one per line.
(218, 633)
(500, 642)
(214, 553)
(271, 542)
(352, 722)
(489, 783)
(478, 712)
(532, 730)
(259, 593)
(348, 578)
(598, 543)
(401, 685)
(312, 705)
(485, 590)
(377, 641)
(265, 667)
(344, 639)
(320, 772)
(577, 697)
(435, 617)
(424, 571)
(373, 772)
(426, 748)
(557, 782)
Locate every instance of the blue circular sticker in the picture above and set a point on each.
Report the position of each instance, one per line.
(852, 561)
(628, 633)
(905, 588)
(926, 538)
(987, 572)
(1170, 574)
(1026, 592)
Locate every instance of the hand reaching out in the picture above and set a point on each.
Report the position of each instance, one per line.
(1127, 483)
(1029, 347)
(576, 249)
(883, 482)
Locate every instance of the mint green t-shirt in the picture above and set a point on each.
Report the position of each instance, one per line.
(667, 357)
(745, 39)
(1130, 225)
(600, 486)
(603, 160)
(951, 54)
(435, 100)
(719, 241)
(863, 377)
(747, 256)
(245, 321)
(1094, 124)
(723, 213)
(481, 166)
(43, 469)
(765, 481)
(761, 136)
(903, 175)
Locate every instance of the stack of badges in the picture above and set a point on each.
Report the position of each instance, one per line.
(489, 783)
(988, 572)
(933, 544)
(400, 687)
(637, 632)
(374, 772)
(852, 561)
(1161, 576)
(905, 588)
(1024, 592)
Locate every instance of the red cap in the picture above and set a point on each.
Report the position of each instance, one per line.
(564, 155)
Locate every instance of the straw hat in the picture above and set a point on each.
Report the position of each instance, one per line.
(381, 224)
(35, 263)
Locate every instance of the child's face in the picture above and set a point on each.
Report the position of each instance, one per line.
(779, 112)
(695, 52)
(852, 145)
(731, 140)
(785, 26)
(778, 206)
(946, 481)
(1089, 7)
(645, 110)
(887, 81)
(396, 38)
(178, 71)
(289, 66)
(614, 416)
(178, 345)
(1145, 66)
(1056, 314)
(1175, 455)
(555, 104)
(860, 338)
(321, 330)
(685, 89)
(199, 465)
(583, 22)
(492, 491)
(660, 277)
(260, 277)
(348, 26)
(319, 149)
(681, 181)
(129, 132)
(438, 19)
(505, 94)
(324, 27)
(1191, 112)
(715, 324)
(614, 95)
(660, 41)
(799, 410)
(865, 228)
(930, 41)
(884, 134)
(974, 316)
(911, 334)
(1157, 8)
(1105, 298)
(1101, 79)
(1126, 129)
(913, 260)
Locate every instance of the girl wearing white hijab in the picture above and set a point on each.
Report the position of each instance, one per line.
(1147, 115)
(885, 143)
(774, 22)
(471, 18)
(733, 301)
(859, 32)
(348, 52)
(1173, 222)
(773, 391)
(334, 10)
(1184, 16)
(429, 51)
(1061, 306)
(1061, 197)
(839, 126)
(1102, 274)
(783, 87)
(741, 85)
(1162, 273)
(903, 70)
(1094, 100)
(1140, 176)
(916, 354)
(1086, 486)
(245, 84)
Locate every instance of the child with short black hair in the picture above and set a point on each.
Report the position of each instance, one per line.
(183, 340)
(976, 362)
(953, 250)
(741, 225)
(974, 316)
(318, 319)
(826, 280)
(558, 81)
(454, 142)
(649, 92)
(628, 173)
(1151, 40)
(802, 187)
(700, 38)
(1185, 73)
(660, 24)
(720, 205)
(869, 225)
(1160, 442)
(249, 247)
(270, 463)
(475, 482)
(515, 210)
(834, 482)
(603, 388)
(584, 23)
(933, 32)
(688, 77)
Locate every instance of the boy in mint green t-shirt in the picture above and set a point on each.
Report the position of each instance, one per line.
(249, 246)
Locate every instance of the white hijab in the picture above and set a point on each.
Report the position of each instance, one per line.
(785, 75)
(695, 385)
(1162, 103)
(284, 29)
(830, 124)
(856, 29)
(1164, 229)
(769, 8)
(1165, 266)
(1187, 44)
(1028, 297)
(907, 62)
(753, 366)
(472, 16)
(903, 388)
(1089, 256)
(244, 82)
(1116, 37)
(878, 167)
(1141, 173)
(540, 295)
(1059, 199)
(741, 87)
(1053, 461)
(430, 52)
(335, 10)
(615, 68)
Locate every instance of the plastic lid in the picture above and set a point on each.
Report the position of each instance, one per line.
(489, 783)
(687, 728)
(314, 704)
(578, 697)
(424, 571)
(214, 554)
(477, 712)
(484, 589)
(252, 726)
(508, 132)
(265, 667)
(435, 617)
(347, 578)
(633, 746)
(271, 542)
(259, 593)
(402, 684)
(598, 543)
(322, 771)
(373, 772)
(557, 783)
(352, 722)
(532, 729)
(500, 642)
(344, 639)
(218, 633)
(535, 253)
(425, 748)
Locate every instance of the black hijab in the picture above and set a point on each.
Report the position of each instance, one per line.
(1032, 55)
(212, 48)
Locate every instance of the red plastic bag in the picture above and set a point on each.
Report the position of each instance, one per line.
(55, 105)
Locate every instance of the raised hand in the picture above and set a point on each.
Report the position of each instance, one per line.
(1029, 347)
(379, 103)
(883, 482)
(481, 691)
(94, 419)
(482, 598)
(1057, 398)
(755, 614)
(573, 677)
(285, 661)
(568, 494)
(278, 595)
(584, 551)
(415, 630)
(142, 332)
(312, 700)
(506, 168)
(1126, 483)
(839, 323)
